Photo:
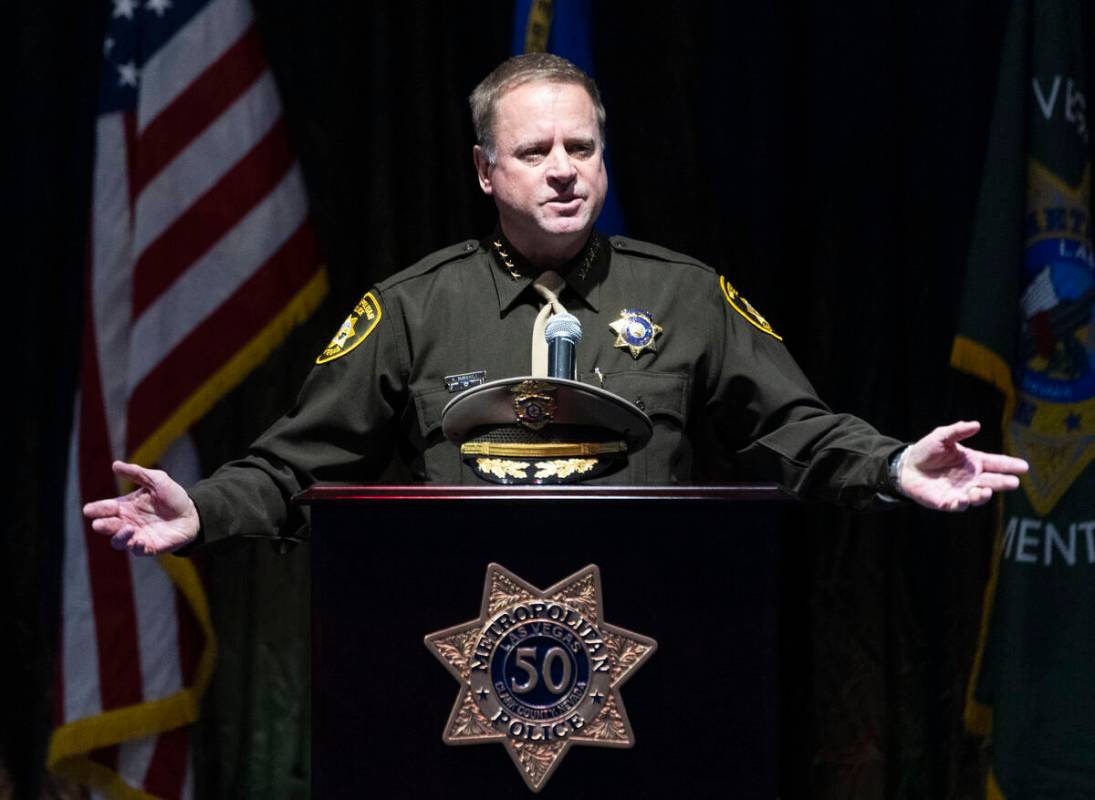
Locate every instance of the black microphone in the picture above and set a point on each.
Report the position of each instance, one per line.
(563, 332)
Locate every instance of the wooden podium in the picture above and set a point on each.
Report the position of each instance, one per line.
(692, 567)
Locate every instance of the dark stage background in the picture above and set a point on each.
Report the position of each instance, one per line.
(823, 156)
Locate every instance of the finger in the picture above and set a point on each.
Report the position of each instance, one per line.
(108, 526)
(998, 482)
(958, 431)
(134, 473)
(129, 539)
(101, 508)
(139, 546)
(979, 495)
(143, 545)
(121, 539)
(957, 504)
(998, 462)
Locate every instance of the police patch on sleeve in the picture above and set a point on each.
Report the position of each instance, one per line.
(355, 330)
(738, 302)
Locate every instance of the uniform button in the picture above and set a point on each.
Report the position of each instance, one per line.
(469, 246)
(640, 404)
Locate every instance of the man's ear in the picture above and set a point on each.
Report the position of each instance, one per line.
(482, 169)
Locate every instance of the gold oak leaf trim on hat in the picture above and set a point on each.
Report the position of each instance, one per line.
(564, 467)
(503, 468)
(355, 330)
(738, 302)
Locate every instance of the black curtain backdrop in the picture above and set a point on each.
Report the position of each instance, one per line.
(45, 197)
(824, 156)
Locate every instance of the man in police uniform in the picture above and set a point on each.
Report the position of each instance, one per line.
(660, 330)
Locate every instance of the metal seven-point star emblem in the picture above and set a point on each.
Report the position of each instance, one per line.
(635, 331)
(540, 671)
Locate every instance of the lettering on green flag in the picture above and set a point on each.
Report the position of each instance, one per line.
(1028, 327)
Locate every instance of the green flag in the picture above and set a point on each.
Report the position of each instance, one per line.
(1028, 328)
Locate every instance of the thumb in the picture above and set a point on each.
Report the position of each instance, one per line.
(956, 432)
(134, 473)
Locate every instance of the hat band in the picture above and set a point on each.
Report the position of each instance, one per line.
(541, 449)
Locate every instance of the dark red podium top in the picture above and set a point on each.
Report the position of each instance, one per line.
(331, 492)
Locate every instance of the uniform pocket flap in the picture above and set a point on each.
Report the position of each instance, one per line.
(656, 393)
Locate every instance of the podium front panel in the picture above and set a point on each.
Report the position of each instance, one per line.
(694, 569)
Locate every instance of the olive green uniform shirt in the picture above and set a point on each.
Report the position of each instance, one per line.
(726, 399)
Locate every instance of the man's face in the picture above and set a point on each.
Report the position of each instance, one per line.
(549, 179)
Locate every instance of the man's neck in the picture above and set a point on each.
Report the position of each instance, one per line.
(550, 254)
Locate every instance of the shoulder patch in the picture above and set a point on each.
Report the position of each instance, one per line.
(738, 302)
(355, 330)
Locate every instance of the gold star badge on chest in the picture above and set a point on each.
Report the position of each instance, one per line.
(635, 331)
(540, 670)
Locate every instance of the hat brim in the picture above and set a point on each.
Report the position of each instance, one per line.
(576, 403)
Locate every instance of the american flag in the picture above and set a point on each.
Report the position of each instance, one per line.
(201, 258)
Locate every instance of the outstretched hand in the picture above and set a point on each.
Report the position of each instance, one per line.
(939, 473)
(158, 517)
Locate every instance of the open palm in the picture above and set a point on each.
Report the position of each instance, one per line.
(157, 517)
(940, 473)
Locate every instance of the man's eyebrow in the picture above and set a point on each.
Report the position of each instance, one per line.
(532, 141)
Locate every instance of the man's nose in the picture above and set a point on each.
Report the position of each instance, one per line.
(561, 167)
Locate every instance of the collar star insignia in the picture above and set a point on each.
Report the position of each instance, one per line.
(635, 331)
(540, 671)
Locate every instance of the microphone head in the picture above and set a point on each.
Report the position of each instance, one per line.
(563, 326)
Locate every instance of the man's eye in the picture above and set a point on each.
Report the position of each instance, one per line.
(584, 150)
(532, 156)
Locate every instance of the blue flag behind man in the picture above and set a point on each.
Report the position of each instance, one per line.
(565, 28)
(1028, 327)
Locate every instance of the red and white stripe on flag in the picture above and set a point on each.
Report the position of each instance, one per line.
(201, 259)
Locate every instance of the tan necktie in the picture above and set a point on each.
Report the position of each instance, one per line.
(548, 286)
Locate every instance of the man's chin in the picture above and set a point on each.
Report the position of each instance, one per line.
(568, 225)
(555, 236)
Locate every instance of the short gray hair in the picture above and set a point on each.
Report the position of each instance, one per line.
(514, 72)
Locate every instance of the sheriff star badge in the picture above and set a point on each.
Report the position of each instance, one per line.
(635, 331)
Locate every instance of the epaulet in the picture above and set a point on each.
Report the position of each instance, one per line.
(623, 244)
(430, 263)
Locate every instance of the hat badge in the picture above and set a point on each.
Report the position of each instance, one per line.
(534, 403)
